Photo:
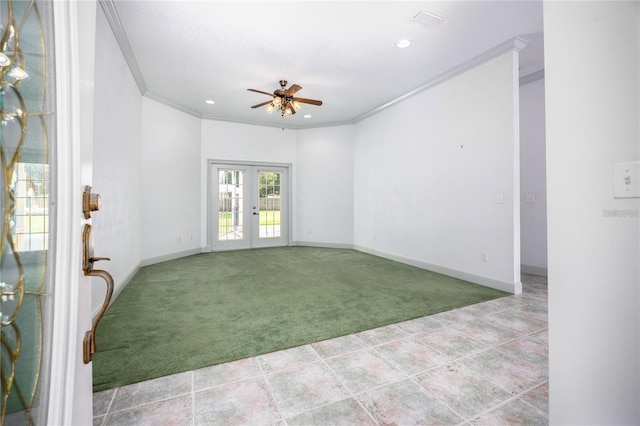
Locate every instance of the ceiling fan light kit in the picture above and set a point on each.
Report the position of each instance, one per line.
(283, 100)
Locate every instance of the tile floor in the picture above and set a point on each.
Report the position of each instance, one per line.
(484, 364)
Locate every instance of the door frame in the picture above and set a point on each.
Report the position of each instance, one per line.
(70, 381)
(211, 201)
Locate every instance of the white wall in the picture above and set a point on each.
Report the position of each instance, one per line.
(592, 61)
(116, 163)
(324, 195)
(533, 214)
(242, 142)
(428, 170)
(170, 202)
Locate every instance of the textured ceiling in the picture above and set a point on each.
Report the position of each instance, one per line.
(341, 52)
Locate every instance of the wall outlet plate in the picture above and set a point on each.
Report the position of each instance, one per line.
(626, 180)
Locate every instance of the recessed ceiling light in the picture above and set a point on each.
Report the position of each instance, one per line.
(210, 102)
(307, 116)
(403, 43)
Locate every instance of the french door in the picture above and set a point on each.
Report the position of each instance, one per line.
(249, 207)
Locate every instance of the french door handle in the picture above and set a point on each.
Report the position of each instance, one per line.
(256, 213)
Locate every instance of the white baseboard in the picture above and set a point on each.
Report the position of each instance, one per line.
(145, 262)
(534, 270)
(172, 256)
(514, 288)
(321, 245)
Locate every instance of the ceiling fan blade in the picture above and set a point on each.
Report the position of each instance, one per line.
(308, 101)
(262, 104)
(260, 91)
(293, 89)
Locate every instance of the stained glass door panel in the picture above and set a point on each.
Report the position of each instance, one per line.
(26, 132)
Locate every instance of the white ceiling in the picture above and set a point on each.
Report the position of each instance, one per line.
(341, 52)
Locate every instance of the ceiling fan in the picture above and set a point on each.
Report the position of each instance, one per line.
(282, 99)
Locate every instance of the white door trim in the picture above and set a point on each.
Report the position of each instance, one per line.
(65, 312)
(70, 380)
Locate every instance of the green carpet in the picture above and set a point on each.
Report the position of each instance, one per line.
(212, 308)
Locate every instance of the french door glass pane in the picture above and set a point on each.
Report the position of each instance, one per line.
(231, 203)
(270, 205)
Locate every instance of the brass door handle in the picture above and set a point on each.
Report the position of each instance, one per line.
(89, 343)
(90, 202)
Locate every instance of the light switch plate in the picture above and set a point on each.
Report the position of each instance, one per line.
(626, 180)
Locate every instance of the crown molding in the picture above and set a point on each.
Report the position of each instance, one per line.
(530, 78)
(109, 9)
(515, 44)
(280, 126)
(176, 106)
(171, 104)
